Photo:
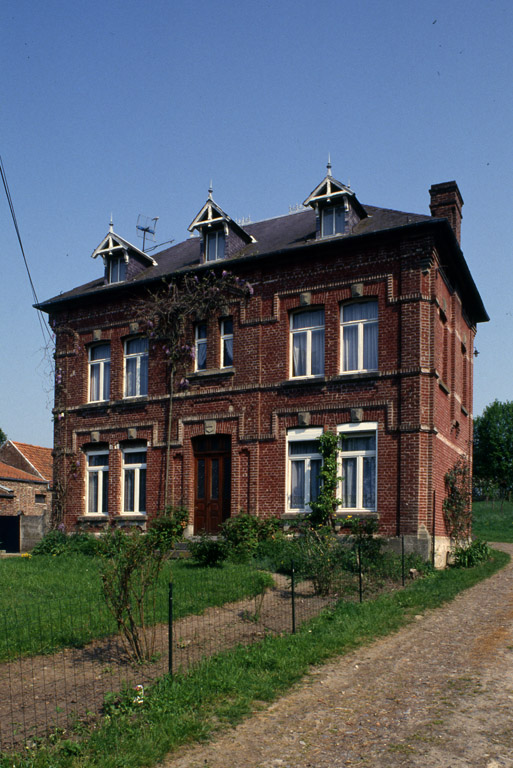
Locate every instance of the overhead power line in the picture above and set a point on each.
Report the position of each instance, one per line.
(44, 330)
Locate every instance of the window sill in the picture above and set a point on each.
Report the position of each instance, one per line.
(211, 372)
(300, 381)
(443, 386)
(356, 375)
(96, 518)
(131, 517)
(464, 410)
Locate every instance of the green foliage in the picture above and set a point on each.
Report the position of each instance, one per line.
(493, 447)
(473, 554)
(242, 534)
(364, 538)
(325, 507)
(3, 436)
(208, 552)
(319, 559)
(57, 542)
(491, 522)
(457, 503)
(224, 689)
(130, 567)
(168, 528)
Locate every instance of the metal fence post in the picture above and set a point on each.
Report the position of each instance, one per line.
(402, 557)
(360, 569)
(293, 595)
(170, 630)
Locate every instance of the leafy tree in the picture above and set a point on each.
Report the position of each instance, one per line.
(3, 436)
(493, 447)
(167, 316)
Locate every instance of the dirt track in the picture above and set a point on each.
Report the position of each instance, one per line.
(438, 694)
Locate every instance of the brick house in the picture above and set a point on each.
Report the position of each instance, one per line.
(25, 494)
(362, 322)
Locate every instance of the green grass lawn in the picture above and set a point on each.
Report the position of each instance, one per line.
(490, 522)
(230, 685)
(50, 602)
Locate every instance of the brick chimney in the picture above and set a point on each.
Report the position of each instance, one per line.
(447, 202)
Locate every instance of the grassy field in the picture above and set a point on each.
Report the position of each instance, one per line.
(50, 602)
(491, 523)
(229, 686)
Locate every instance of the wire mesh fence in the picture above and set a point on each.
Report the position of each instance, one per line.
(61, 659)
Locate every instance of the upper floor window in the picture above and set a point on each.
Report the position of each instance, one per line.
(226, 342)
(359, 336)
(358, 451)
(215, 245)
(97, 483)
(304, 468)
(99, 372)
(307, 343)
(201, 346)
(134, 480)
(136, 367)
(117, 269)
(333, 220)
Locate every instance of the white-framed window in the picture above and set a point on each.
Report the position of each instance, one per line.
(359, 336)
(136, 367)
(117, 269)
(99, 372)
(200, 344)
(304, 464)
(226, 342)
(307, 343)
(215, 245)
(358, 451)
(97, 483)
(134, 480)
(333, 220)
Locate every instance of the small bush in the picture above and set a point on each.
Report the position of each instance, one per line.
(243, 533)
(59, 543)
(208, 552)
(467, 557)
(168, 528)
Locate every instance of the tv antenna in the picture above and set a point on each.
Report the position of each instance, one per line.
(146, 228)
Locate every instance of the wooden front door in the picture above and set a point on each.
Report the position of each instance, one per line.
(212, 466)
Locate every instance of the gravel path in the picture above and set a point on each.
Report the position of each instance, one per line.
(437, 694)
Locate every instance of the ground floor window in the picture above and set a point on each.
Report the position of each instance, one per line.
(358, 450)
(303, 468)
(134, 480)
(97, 483)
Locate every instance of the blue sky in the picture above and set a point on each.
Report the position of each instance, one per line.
(133, 107)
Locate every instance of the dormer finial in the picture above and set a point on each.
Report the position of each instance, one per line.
(329, 164)
(210, 190)
(111, 225)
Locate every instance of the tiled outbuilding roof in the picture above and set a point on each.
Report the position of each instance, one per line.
(12, 473)
(40, 458)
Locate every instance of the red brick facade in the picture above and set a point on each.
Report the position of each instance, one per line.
(234, 426)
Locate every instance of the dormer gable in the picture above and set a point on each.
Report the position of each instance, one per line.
(222, 238)
(122, 260)
(336, 205)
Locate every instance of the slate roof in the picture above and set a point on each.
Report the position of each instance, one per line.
(12, 473)
(293, 231)
(40, 458)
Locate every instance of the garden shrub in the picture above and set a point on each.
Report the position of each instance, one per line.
(208, 552)
(467, 557)
(243, 533)
(168, 527)
(57, 542)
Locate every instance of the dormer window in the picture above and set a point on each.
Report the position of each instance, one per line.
(215, 245)
(333, 220)
(117, 269)
(222, 237)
